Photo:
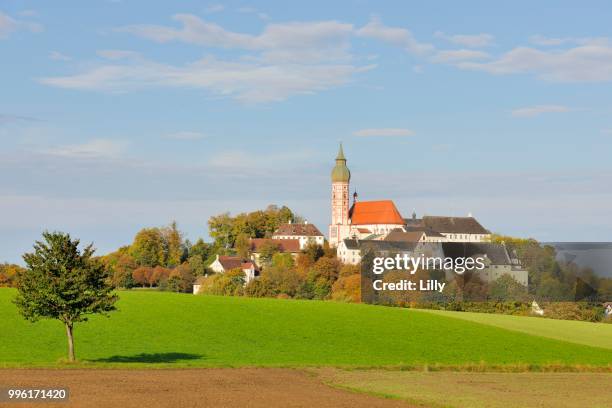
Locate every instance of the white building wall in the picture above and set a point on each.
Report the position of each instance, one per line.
(462, 237)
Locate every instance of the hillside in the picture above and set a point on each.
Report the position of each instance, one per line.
(588, 333)
(161, 328)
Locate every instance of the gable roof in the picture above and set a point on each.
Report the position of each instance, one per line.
(284, 245)
(399, 235)
(308, 230)
(248, 265)
(428, 231)
(230, 262)
(453, 225)
(377, 245)
(375, 212)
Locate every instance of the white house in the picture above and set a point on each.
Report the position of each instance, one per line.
(223, 264)
(303, 233)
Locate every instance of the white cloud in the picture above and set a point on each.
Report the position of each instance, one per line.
(586, 63)
(185, 135)
(58, 56)
(467, 40)
(532, 111)
(250, 82)
(399, 37)
(9, 25)
(96, 148)
(553, 41)
(117, 54)
(297, 41)
(383, 132)
(458, 55)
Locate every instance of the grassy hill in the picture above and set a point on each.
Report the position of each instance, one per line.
(590, 334)
(160, 328)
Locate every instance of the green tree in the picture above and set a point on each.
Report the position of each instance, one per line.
(283, 260)
(313, 252)
(267, 251)
(242, 245)
(197, 265)
(224, 228)
(220, 228)
(173, 240)
(507, 288)
(201, 249)
(148, 248)
(61, 282)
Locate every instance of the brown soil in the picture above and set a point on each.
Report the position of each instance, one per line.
(243, 387)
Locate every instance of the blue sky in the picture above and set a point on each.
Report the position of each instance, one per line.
(115, 115)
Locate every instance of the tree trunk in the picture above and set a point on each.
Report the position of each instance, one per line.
(70, 342)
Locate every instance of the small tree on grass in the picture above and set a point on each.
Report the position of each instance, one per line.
(61, 282)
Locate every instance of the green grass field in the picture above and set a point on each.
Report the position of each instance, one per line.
(159, 329)
(591, 334)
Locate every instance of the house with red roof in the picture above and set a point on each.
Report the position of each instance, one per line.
(304, 233)
(258, 245)
(224, 263)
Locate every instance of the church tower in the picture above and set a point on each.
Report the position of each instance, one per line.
(340, 177)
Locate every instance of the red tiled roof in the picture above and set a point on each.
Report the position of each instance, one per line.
(375, 212)
(308, 230)
(284, 245)
(230, 262)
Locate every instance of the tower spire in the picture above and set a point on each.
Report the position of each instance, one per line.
(340, 172)
(340, 153)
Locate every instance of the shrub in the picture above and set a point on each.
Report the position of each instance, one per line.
(347, 289)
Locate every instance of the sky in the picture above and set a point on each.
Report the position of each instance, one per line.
(118, 115)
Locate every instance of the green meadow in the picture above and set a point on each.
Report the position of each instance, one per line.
(161, 329)
(591, 334)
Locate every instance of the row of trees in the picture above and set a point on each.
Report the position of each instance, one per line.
(160, 257)
(234, 231)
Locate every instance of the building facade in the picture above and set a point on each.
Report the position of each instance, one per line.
(304, 233)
